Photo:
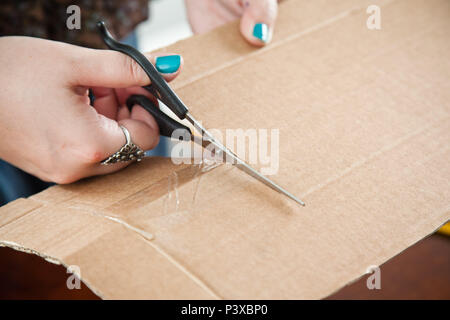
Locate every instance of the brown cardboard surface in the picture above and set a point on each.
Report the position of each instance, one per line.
(364, 140)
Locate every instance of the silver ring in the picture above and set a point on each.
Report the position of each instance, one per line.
(128, 152)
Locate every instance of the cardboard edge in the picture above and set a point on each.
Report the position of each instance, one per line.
(145, 236)
(56, 261)
(385, 261)
(50, 259)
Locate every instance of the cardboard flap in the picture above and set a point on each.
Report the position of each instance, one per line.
(363, 120)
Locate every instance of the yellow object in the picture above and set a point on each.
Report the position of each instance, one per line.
(445, 229)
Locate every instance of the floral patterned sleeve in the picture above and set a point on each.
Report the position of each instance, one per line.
(47, 19)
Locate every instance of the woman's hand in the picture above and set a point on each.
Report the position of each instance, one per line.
(47, 126)
(257, 17)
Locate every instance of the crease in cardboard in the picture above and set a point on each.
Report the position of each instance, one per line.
(160, 188)
(17, 218)
(172, 197)
(147, 237)
(373, 156)
(174, 201)
(274, 44)
(143, 233)
(185, 270)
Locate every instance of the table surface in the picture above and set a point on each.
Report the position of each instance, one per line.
(420, 272)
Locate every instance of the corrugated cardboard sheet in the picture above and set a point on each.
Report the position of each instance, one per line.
(364, 140)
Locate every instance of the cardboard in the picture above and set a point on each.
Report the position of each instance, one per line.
(364, 141)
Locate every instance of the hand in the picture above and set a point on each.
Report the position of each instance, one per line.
(47, 126)
(257, 17)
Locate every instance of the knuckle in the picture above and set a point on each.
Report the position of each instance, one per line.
(73, 65)
(92, 153)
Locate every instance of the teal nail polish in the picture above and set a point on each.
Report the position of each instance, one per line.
(168, 64)
(261, 31)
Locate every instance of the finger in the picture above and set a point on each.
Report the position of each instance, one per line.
(140, 114)
(143, 131)
(123, 94)
(106, 102)
(258, 21)
(123, 113)
(111, 69)
(204, 15)
(168, 64)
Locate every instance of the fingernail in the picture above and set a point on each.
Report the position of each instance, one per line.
(168, 64)
(261, 31)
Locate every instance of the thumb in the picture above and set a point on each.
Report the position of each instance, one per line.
(258, 21)
(112, 69)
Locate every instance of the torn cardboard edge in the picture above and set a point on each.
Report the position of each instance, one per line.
(334, 77)
(49, 259)
(123, 227)
(386, 261)
(56, 261)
